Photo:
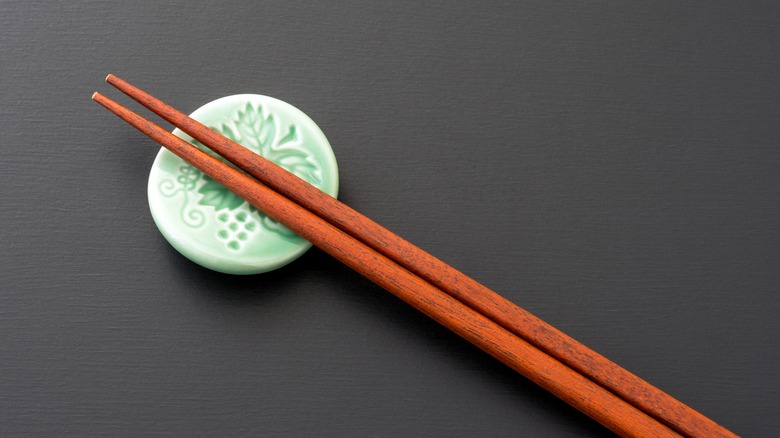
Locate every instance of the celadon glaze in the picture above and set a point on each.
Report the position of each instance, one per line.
(213, 227)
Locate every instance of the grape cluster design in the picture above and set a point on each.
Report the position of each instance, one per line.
(236, 227)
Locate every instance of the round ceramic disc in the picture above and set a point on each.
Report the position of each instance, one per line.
(212, 226)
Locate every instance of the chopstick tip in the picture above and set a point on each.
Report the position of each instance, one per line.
(109, 77)
(99, 98)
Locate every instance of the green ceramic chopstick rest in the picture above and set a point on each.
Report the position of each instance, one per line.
(215, 228)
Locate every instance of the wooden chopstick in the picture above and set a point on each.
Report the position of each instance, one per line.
(519, 321)
(567, 384)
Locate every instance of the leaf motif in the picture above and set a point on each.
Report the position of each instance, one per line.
(249, 117)
(227, 131)
(249, 123)
(248, 136)
(267, 135)
(297, 162)
(217, 196)
(292, 135)
(258, 122)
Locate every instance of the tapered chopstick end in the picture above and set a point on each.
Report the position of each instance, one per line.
(102, 100)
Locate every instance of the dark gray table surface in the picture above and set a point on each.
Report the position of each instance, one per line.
(612, 167)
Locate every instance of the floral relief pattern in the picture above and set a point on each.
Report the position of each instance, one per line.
(204, 199)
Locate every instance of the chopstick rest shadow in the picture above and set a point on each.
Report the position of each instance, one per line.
(606, 392)
(249, 290)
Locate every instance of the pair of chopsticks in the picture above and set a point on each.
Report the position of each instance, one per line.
(578, 375)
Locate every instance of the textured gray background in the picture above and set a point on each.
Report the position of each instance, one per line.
(613, 168)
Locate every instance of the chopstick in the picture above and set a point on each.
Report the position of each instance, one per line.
(580, 392)
(519, 321)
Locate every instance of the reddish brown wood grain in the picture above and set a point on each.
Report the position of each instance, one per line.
(580, 392)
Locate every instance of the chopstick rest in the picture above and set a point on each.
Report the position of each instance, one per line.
(212, 226)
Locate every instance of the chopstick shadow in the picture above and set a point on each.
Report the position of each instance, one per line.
(259, 291)
(369, 297)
